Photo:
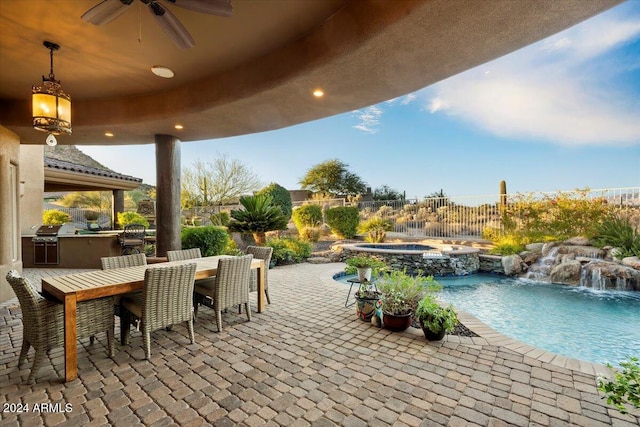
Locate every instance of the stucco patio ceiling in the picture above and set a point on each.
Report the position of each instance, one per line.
(256, 70)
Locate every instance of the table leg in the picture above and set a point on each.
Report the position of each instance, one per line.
(70, 338)
(261, 294)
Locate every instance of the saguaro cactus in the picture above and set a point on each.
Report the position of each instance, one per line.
(503, 195)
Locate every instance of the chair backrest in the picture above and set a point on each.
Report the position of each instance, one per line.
(133, 231)
(168, 295)
(264, 253)
(29, 298)
(232, 281)
(124, 261)
(184, 254)
(261, 252)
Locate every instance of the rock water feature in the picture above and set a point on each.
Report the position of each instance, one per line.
(575, 262)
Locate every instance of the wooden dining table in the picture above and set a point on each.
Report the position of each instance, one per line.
(73, 288)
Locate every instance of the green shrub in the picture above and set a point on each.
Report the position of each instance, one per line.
(307, 216)
(508, 245)
(55, 217)
(210, 239)
(620, 233)
(126, 218)
(310, 234)
(343, 221)
(376, 229)
(220, 219)
(289, 250)
(281, 197)
(624, 388)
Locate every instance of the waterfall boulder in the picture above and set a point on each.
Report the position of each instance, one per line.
(529, 257)
(578, 241)
(512, 265)
(582, 251)
(611, 275)
(547, 248)
(632, 261)
(566, 273)
(535, 247)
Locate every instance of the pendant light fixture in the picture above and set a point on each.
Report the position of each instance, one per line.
(51, 106)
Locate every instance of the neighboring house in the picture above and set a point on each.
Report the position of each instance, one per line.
(35, 170)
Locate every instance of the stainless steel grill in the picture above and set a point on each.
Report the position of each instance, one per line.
(45, 245)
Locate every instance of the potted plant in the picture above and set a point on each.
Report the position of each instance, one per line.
(367, 296)
(435, 320)
(365, 265)
(400, 295)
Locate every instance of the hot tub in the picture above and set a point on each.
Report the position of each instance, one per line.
(414, 258)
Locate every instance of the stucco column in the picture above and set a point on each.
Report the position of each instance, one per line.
(167, 194)
(116, 207)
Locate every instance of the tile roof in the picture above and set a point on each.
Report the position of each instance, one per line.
(72, 167)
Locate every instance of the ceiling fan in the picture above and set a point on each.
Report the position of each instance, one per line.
(108, 10)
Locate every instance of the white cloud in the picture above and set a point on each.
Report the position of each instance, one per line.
(369, 119)
(408, 99)
(553, 91)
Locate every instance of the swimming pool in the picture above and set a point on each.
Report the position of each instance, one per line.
(597, 326)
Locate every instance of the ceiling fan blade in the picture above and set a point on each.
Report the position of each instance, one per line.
(171, 26)
(211, 7)
(106, 11)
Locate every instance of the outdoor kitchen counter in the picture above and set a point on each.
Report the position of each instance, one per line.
(75, 250)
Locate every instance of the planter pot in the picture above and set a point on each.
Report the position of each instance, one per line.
(365, 307)
(432, 336)
(395, 322)
(364, 273)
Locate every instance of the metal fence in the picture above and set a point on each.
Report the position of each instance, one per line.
(78, 216)
(467, 216)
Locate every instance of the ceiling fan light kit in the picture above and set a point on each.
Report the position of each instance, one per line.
(51, 107)
(108, 10)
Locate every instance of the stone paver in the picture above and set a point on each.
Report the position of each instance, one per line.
(305, 361)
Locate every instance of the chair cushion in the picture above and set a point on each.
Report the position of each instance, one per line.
(205, 286)
(133, 303)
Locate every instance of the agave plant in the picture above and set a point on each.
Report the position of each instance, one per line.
(258, 216)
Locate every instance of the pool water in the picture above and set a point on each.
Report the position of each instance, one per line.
(597, 326)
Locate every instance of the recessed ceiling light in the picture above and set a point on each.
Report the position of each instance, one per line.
(162, 71)
(109, 134)
(318, 93)
(179, 127)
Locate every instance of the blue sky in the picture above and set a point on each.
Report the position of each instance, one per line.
(560, 114)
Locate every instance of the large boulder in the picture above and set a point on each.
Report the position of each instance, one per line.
(605, 275)
(529, 257)
(512, 265)
(577, 241)
(548, 247)
(535, 247)
(632, 261)
(566, 273)
(583, 251)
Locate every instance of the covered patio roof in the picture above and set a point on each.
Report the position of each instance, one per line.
(256, 70)
(60, 175)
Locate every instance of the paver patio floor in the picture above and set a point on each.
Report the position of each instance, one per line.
(305, 361)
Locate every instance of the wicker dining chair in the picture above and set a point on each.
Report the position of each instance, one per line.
(43, 321)
(167, 299)
(230, 288)
(264, 253)
(124, 261)
(184, 254)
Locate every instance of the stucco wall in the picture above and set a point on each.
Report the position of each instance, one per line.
(9, 154)
(32, 173)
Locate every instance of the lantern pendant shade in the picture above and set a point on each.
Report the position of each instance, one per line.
(51, 111)
(51, 107)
